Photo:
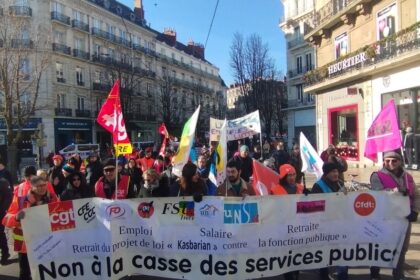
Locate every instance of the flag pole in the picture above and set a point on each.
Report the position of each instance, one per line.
(116, 144)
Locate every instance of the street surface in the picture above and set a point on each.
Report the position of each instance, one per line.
(11, 271)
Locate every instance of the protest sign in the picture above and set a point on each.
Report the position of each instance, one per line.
(239, 128)
(216, 238)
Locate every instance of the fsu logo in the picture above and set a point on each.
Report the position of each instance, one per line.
(61, 215)
(146, 209)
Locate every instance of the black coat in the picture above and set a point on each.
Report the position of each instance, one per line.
(71, 192)
(93, 173)
(57, 172)
(246, 164)
(6, 196)
(161, 191)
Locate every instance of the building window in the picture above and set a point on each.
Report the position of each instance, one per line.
(59, 72)
(299, 92)
(61, 101)
(309, 97)
(97, 50)
(57, 7)
(25, 68)
(308, 58)
(79, 44)
(79, 76)
(78, 16)
(59, 37)
(98, 76)
(81, 103)
(341, 45)
(174, 74)
(299, 68)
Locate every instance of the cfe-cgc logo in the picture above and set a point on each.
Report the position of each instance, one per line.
(117, 211)
(145, 209)
(87, 211)
(61, 215)
(241, 213)
(364, 204)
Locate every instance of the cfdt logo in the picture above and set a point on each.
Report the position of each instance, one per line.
(364, 204)
(117, 211)
(61, 215)
(87, 211)
(241, 213)
(146, 209)
(208, 211)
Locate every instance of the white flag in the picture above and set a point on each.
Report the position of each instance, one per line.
(311, 162)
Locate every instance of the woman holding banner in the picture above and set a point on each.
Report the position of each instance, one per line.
(190, 184)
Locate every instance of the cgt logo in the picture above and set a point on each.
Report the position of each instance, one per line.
(61, 215)
(241, 213)
(117, 211)
(146, 209)
(364, 204)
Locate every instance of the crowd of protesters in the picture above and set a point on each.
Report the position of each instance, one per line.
(145, 174)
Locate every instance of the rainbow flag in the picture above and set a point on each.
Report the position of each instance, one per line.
(186, 143)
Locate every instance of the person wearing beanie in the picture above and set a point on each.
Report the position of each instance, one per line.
(93, 170)
(234, 184)
(287, 182)
(329, 183)
(190, 184)
(245, 161)
(76, 187)
(55, 174)
(5, 173)
(332, 156)
(106, 186)
(392, 176)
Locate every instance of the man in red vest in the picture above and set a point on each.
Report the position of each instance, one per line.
(106, 186)
(393, 177)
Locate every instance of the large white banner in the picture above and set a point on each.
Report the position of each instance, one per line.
(216, 238)
(239, 128)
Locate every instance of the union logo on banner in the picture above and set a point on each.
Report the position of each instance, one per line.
(61, 215)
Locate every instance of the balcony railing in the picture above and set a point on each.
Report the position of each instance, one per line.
(295, 42)
(63, 112)
(100, 33)
(331, 8)
(110, 37)
(295, 103)
(81, 54)
(101, 86)
(80, 25)
(82, 113)
(391, 47)
(61, 48)
(299, 71)
(144, 72)
(61, 80)
(22, 43)
(60, 17)
(20, 11)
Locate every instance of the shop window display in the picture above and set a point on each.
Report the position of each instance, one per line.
(343, 131)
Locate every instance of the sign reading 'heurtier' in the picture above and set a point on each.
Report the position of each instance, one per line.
(346, 63)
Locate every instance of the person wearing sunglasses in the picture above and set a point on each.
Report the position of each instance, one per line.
(106, 186)
(76, 188)
(392, 176)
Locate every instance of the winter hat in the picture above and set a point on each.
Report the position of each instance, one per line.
(189, 170)
(69, 168)
(108, 163)
(57, 156)
(392, 154)
(244, 148)
(29, 171)
(328, 167)
(286, 169)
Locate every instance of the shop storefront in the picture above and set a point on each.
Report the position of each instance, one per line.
(341, 116)
(71, 131)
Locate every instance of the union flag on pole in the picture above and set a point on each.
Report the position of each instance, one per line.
(111, 118)
(384, 133)
(164, 132)
(264, 179)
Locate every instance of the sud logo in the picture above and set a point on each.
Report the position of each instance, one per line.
(240, 213)
(61, 215)
(117, 211)
(145, 209)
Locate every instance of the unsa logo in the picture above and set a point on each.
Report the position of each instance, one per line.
(61, 215)
(364, 204)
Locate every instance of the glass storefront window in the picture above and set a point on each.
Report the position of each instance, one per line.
(408, 103)
(343, 131)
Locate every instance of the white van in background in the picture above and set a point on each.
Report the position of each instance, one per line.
(83, 150)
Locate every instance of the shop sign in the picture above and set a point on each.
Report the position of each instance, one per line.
(347, 63)
(72, 124)
(352, 91)
(31, 124)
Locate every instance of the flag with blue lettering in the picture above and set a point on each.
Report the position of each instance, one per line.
(311, 162)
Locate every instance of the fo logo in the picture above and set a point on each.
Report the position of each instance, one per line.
(146, 209)
(116, 211)
(61, 215)
(364, 204)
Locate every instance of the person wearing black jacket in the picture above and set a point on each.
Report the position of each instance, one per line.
(55, 175)
(154, 185)
(190, 184)
(93, 170)
(4, 173)
(135, 174)
(6, 196)
(76, 188)
(245, 161)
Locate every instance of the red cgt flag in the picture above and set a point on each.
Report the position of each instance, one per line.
(163, 130)
(111, 118)
(264, 179)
